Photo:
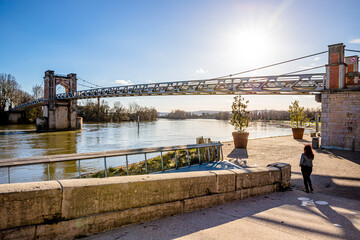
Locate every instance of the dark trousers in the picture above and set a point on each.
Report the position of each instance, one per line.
(306, 172)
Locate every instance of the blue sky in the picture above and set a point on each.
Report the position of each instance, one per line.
(114, 42)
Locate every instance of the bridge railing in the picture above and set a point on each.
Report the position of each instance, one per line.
(281, 84)
(171, 157)
(33, 103)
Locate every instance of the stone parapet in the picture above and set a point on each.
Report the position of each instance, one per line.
(72, 208)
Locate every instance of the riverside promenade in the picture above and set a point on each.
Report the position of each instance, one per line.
(332, 211)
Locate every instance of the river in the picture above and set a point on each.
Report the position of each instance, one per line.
(17, 141)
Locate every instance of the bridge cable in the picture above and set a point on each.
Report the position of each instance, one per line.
(303, 70)
(85, 85)
(90, 83)
(272, 65)
(350, 50)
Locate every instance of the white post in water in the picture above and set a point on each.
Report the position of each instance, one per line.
(138, 122)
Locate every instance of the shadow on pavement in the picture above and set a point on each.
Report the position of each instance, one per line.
(280, 213)
(346, 155)
(330, 185)
(238, 153)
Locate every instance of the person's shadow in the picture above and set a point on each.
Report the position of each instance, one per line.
(350, 231)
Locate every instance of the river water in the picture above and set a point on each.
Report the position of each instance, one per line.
(17, 141)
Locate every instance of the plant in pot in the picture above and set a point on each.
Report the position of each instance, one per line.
(240, 120)
(297, 119)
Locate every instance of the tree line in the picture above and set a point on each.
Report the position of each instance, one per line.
(255, 115)
(180, 114)
(11, 95)
(102, 112)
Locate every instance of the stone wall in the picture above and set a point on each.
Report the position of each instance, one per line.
(14, 117)
(72, 208)
(340, 120)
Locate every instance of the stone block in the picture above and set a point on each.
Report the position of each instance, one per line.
(285, 173)
(23, 233)
(244, 193)
(242, 178)
(120, 193)
(24, 204)
(81, 227)
(193, 204)
(262, 190)
(225, 181)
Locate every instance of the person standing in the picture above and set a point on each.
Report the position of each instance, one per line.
(306, 167)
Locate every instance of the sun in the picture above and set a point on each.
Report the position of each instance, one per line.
(250, 44)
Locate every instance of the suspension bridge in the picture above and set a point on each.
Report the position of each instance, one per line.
(283, 84)
(340, 77)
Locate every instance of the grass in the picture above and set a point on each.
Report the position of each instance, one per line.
(154, 164)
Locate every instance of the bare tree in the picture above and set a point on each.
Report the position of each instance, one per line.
(38, 91)
(8, 91)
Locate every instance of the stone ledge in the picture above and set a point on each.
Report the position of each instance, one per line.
(93, 205)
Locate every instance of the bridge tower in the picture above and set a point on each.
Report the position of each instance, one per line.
(340, 126)
(59, 114)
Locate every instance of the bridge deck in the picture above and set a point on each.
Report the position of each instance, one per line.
(283, 84)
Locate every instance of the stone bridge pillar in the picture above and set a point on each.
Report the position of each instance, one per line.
(340, 118)
(58, 114)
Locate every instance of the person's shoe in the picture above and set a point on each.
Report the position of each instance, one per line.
(307, 191)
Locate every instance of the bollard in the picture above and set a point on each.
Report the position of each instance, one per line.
(315, 142)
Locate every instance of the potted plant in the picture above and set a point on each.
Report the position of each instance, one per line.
(240, 120)
(297, 119)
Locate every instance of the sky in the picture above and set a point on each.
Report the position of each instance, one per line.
(112, 43)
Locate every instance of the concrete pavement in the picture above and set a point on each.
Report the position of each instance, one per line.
(331, 212)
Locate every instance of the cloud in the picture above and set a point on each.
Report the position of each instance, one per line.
(200, 70)
(356, 40)
(124, 82)
(316, 58)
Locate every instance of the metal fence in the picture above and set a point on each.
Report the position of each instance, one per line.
(164, 158)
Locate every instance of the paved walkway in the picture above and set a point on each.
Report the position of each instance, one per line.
(331, 212)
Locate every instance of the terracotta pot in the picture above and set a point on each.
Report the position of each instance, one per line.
(298, 133)
(240, 139)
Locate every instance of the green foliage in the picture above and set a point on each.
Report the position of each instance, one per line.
(297, 115)
(94, 112)
(241, 117)
(154, 164)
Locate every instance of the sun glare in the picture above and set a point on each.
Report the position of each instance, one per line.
(250, 45)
